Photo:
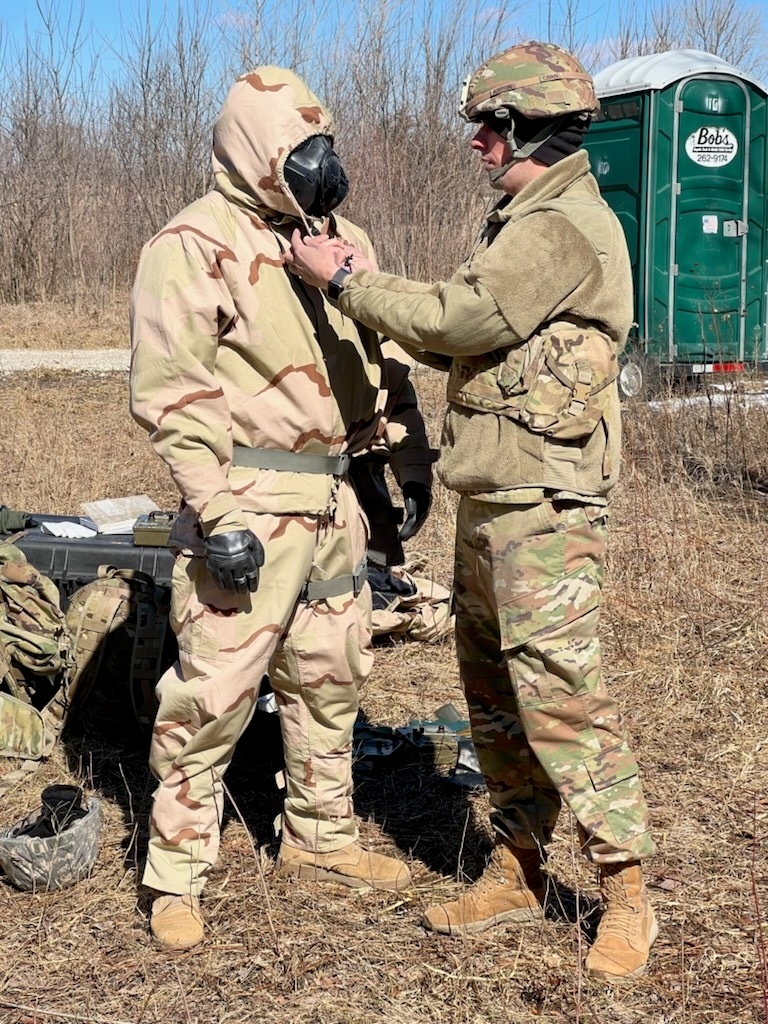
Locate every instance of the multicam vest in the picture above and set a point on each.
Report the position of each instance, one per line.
(559, 380)
(529, 330)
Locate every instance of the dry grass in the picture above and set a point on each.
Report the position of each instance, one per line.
(684, 632)
(62, 325)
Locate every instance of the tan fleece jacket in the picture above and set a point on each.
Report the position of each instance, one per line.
(529, 329)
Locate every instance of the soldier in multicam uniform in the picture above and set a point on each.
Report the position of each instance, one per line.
(529, 330)
(255, 391)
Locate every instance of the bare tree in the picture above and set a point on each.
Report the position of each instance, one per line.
(46, 158)
(92, 164)
(161, 110)
(727, 28)
(570, 24)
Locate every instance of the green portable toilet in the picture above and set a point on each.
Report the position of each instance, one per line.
(679, 152)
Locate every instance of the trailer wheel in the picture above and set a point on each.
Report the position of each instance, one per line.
(631, 379)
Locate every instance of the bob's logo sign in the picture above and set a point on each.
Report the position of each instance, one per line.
(710, 146)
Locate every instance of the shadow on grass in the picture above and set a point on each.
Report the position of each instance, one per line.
(110, 756)
(566, 906)
(405, 796)
(110, 752)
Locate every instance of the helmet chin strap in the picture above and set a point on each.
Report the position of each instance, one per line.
(523, 152)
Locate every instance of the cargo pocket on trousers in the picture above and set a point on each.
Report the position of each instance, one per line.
(204, 628)
(334, 651)
(555, 581)
(614, 775)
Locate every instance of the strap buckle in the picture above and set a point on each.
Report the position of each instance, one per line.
(350, 583)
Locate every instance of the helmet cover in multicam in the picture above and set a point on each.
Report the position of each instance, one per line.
(40, 864)
(538, 80)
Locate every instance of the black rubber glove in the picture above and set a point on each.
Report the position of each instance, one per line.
(233, 560)
(417, 498)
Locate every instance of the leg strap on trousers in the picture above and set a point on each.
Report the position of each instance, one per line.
(290, 462)
(317, 590)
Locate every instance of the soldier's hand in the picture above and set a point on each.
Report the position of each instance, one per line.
(417, 499)
(315, 259)
(234, 560)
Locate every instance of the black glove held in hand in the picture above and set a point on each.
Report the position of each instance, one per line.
(417, 498)
(233, 560)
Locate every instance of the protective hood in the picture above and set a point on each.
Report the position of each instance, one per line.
(266, 114)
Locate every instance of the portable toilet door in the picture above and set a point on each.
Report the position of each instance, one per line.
(700, 272)
(709, 221)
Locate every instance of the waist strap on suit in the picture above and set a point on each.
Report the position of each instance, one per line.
(290, 462)
(351, 583)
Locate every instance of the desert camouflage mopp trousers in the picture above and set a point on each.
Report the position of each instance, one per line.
(316, 655)
(528, 582)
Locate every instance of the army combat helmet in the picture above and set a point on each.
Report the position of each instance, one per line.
(55, 846)
(535, 95)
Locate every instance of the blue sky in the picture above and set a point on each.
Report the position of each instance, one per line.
(104, 17)
(105, 22)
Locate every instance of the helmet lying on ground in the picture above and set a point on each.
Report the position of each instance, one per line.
(41, 863)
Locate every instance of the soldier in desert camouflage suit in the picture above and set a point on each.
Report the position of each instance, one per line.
(529, 330)
(255, 389)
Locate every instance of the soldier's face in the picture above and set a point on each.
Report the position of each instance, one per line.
(494, 151)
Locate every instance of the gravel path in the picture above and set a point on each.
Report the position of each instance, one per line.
(100, 360)
(109, 360)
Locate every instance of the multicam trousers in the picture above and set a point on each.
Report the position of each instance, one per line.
(317, 654)
(528, 582)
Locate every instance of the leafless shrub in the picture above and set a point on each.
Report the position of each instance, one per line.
(48, 160)
(160, 114)
(91, 167)
(728, 28)
(706, 437)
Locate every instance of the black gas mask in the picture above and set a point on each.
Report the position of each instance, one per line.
(315, 176)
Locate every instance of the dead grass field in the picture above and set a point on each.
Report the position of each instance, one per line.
(685, 630)
(57, 325)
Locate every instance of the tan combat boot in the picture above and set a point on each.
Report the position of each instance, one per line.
(511, 888)
(176, 921)
(352, 866)
(627, 929)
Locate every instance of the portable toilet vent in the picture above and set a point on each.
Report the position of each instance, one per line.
(679, 151)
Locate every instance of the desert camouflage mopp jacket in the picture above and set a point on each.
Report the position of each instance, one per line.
(230, 349)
